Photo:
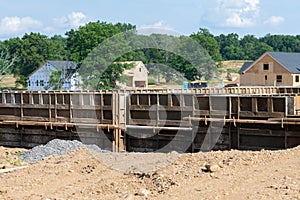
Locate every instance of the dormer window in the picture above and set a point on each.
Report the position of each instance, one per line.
(266, 66)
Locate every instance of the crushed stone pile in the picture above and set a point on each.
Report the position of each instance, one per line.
(55, 147)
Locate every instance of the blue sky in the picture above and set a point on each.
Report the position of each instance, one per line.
(257, 17)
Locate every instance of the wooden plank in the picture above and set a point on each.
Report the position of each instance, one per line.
(246, 114)
(262, 132)
(7, 117)
(85, 120)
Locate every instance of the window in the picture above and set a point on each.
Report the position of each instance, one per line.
(266, 77)
(29, 83)
(140, 69)
(37, 83)
(41, 82)
(279, 78)
(266, 66)
(297, 79)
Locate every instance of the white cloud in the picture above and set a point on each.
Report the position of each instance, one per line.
(238, 21)
(275, 20)
(73, 20)
(17, 25)
(236, 13)
(160, 24)
(160, 27)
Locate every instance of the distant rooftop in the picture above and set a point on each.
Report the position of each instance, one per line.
(291, 61)
(244, 67)
(60, 65)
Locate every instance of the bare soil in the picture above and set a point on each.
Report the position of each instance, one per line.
(81, 174)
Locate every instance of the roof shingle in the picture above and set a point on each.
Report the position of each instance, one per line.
(245, 66)
(291, 61)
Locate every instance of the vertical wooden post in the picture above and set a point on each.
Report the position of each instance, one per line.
(170, 102)
(114, 122)
(41, 99)
(239, 107)
(55, 107)
(194, 129)
(270, 105)
(63, 98)
(13, 99)
(30, 98)
(70, 107)
(101, 108)
(229, 107)
(254, 104)
(157, 110)
(22, 106)
(49, 96)
(149, 99)
(117, 121)
(122, 104)
(137, 99)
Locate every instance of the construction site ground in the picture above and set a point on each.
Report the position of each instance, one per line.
(80, 174)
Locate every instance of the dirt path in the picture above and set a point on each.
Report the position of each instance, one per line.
(234, 175)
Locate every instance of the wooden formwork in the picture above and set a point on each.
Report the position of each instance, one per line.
(251, 90)
(218, 121)
(87, 116)
(154, 120)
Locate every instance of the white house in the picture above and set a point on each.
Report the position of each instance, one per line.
(39, 79)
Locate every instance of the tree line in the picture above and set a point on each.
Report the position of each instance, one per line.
(21, 56)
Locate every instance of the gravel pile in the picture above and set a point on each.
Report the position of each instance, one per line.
(56, 146)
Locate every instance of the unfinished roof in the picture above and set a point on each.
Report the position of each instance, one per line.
(290, 61)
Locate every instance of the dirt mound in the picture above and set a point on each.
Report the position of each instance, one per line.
(233, 174)
(9, 157)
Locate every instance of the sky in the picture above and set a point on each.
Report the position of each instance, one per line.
(184, 17)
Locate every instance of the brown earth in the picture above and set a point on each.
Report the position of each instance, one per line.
(215, 175)
(7, 81)
(9, 157)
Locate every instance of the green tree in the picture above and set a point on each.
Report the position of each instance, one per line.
(57, 48)
(82, 41)
(249, 46)
(55, 81)
(230, 46)
(6, 62)
(208, 42)
(283, 43)
(34, 49)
